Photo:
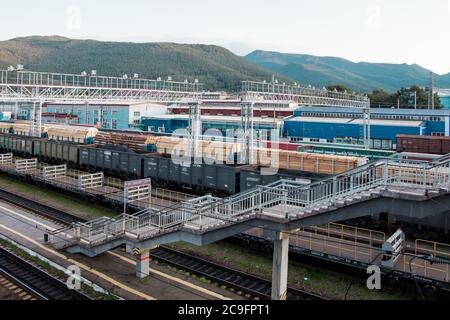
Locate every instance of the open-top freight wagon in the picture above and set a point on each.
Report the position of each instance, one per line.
(203, 177)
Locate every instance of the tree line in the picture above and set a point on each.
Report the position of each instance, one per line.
(407, 98)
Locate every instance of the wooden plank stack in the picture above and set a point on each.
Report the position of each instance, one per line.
(70, 133)
(307, 162)
(283, 159)
(216, 150)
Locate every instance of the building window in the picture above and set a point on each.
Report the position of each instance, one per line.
(151, 129)
(438, 134)
(137, 114)
(114, 114)
(161, 129)
(114, 124)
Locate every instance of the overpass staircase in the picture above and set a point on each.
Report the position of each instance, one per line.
(282, 202)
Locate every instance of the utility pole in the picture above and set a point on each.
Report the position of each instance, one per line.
(195, 124)
(431, 93)
(248, 131)
(415, 99)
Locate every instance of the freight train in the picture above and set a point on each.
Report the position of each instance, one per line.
(121, 162)
(423, 144)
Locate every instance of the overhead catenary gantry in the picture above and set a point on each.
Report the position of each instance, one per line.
(28, 86)
(38, 88)
(307, 96)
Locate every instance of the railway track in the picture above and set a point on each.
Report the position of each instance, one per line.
(39, 208)
(35, 281)
(240, 281)
(247, 283)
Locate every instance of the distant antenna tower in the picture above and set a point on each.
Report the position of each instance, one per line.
(431, 92)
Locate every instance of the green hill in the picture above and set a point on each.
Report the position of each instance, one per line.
(214, 66)
(363, 76)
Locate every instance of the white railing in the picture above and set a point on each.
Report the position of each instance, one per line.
(90, 181)
(280, 195)
(6, 158)
(54, 172)
(25, 165)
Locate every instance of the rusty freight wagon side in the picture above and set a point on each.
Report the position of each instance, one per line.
(423, 144)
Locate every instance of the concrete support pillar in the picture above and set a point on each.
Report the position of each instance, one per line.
(280, 266)
(143, 264)
(392, 219)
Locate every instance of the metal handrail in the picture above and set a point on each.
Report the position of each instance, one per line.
(282, 193)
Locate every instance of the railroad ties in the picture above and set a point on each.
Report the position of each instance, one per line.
(35, 281)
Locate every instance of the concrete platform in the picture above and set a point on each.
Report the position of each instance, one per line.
(114, 271)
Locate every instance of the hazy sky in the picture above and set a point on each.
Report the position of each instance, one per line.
(410, 31)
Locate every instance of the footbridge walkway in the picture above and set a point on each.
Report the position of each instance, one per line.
(408, 188)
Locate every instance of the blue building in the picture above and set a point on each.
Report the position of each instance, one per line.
(107, 116)
(328, 124)
(222, 124)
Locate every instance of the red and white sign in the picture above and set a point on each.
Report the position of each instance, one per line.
(137, 183)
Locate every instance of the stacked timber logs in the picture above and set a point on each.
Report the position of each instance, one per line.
(138, 142)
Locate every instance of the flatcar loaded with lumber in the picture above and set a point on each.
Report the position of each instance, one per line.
(220, 177)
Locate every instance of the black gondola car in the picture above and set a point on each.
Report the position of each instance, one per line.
(252, 177)
(111, 160)
(219, 179)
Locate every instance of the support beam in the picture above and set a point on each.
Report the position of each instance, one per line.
(248, 131)
(195, 124)
(143, 264)
(280, 267)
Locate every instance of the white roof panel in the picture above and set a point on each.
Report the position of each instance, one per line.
(401, 123)
(321, 120)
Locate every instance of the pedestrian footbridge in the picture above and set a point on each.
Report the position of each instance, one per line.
(420, 189)
(406, 188)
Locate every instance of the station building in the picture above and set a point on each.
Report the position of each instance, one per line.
(334, 125)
